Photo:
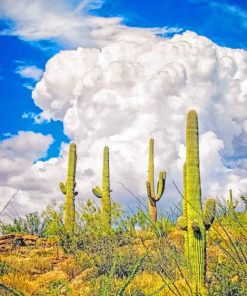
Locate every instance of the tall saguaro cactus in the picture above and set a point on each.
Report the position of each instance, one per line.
(68, 188)
(152, 196)
(104, 193)
(195, 221)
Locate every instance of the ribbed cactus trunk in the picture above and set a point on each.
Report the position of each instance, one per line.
(196, 228)
(106, 199)
(194, 220)
(104, 193)
(69, 190)
(152, 196)
(186, 235)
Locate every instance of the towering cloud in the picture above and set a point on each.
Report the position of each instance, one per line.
(142, 86)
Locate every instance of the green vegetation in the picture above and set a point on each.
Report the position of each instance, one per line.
(110, 252)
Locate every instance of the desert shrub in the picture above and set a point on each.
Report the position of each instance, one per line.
(6, 291)
(227, 280)
(17, 226)
(88, 234)
(53, 220)
(228, 263)
(4, 268)
(50, 223)
(19, 282)
(122, 261)
(54, 288)
(31, 224)
(71, 266)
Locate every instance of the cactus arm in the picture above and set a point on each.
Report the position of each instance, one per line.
(160, 186)
(182, 222)
(209, 213)
(97, 191)
(62, 187)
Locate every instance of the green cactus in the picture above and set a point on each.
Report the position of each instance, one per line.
(195, 221)
(104, 193)
(152, 196)
(68, 188)
(231, 203)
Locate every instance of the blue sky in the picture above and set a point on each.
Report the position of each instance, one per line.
(224, 22)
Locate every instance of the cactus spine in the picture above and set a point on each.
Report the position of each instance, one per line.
(152, 196)
(195, 221)
(104, 193)
(68, 188)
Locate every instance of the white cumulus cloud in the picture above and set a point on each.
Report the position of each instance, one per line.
(134, 88)
(18, 171)
(141, 86)
(30, 72)
(68, 23)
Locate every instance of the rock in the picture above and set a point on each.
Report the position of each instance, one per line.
(11, 241)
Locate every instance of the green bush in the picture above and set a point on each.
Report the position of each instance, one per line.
(31, 224)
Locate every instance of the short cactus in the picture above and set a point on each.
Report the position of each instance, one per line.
(104, 193)
(195, 221)
(231, 203)
(152, 196)
(68, 188)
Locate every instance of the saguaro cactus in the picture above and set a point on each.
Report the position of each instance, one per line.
(231, 203)
(68, 188)
(152, 196)
(184, 202)
(195, 221)
(104, 193)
